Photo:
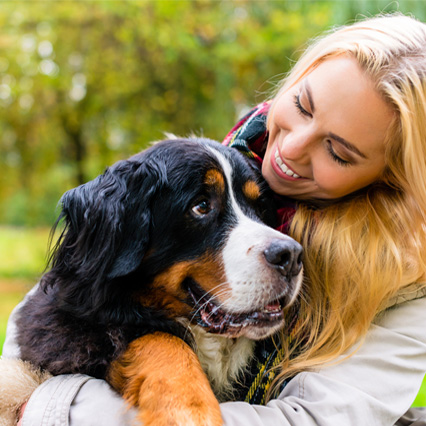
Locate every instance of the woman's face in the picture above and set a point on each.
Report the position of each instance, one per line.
(326, 133)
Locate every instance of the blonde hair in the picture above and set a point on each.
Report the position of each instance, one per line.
(362, 250)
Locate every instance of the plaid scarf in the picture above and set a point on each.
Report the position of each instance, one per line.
(250, 137)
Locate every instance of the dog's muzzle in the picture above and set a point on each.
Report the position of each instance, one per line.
(262, 279)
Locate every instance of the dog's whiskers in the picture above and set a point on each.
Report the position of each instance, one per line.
(206, 302)
(200, 306)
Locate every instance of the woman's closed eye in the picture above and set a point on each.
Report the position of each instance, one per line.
(334, 156)
(300, 109)
(329, 145)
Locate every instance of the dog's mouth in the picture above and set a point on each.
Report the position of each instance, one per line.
(215, 320)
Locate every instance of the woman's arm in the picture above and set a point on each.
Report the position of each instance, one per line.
(77, 400)
(375, 386)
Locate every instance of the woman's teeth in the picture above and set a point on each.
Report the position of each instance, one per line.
(284, 168)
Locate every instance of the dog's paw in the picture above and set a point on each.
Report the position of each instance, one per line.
(161, 376)
(18, 380)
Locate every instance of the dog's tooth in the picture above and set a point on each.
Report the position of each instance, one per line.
(272, 307)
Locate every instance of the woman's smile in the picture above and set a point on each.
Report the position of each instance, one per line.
(282, 169)
(327, 133)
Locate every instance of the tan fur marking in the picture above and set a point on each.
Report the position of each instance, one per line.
(161, 375)
(167, 293)
(210, 275)
(215, 178)
(251, 190)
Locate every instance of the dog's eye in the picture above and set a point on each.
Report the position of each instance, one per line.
(202, 208)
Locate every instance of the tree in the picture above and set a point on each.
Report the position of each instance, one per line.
(83, 84)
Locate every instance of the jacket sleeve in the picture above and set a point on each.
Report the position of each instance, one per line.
(77, 400)
(375, 386)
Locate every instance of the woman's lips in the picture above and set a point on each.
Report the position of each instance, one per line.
(282, 169)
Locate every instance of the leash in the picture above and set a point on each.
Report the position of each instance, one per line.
(268, 356)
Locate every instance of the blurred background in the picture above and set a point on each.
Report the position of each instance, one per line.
(86, 83)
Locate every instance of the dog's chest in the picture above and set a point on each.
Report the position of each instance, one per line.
(222, 359)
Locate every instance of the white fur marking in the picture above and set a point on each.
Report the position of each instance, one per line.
(251, 280)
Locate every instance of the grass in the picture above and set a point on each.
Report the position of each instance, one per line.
(22, 252)
(11, 293)
(23, 257)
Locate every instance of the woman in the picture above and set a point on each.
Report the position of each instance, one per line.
(346, 141)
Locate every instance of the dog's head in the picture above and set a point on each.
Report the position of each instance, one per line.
(179, 227)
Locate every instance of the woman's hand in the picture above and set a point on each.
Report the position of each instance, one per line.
(21, 413)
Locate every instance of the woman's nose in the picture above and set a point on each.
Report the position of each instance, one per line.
(297, 146)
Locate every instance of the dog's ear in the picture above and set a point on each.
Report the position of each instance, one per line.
(107, 220)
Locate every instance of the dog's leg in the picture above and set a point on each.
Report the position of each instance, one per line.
(161, 375)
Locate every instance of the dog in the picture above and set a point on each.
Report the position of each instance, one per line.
(165, 274)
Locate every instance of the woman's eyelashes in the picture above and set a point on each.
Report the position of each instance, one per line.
(334, 156)
(300, 108)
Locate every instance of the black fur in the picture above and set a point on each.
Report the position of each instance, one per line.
(121, 230)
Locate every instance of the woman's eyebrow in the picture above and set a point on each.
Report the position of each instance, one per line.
(346, 144)
(337, 138)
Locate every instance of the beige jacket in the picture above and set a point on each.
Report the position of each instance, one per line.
(373, 387)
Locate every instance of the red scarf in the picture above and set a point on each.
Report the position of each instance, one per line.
(250, 137)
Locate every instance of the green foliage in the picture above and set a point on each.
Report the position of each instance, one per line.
(8, 300)
(83, 84)
(23, 258)
(23, 252)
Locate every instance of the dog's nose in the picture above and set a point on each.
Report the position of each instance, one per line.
(286, 256)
